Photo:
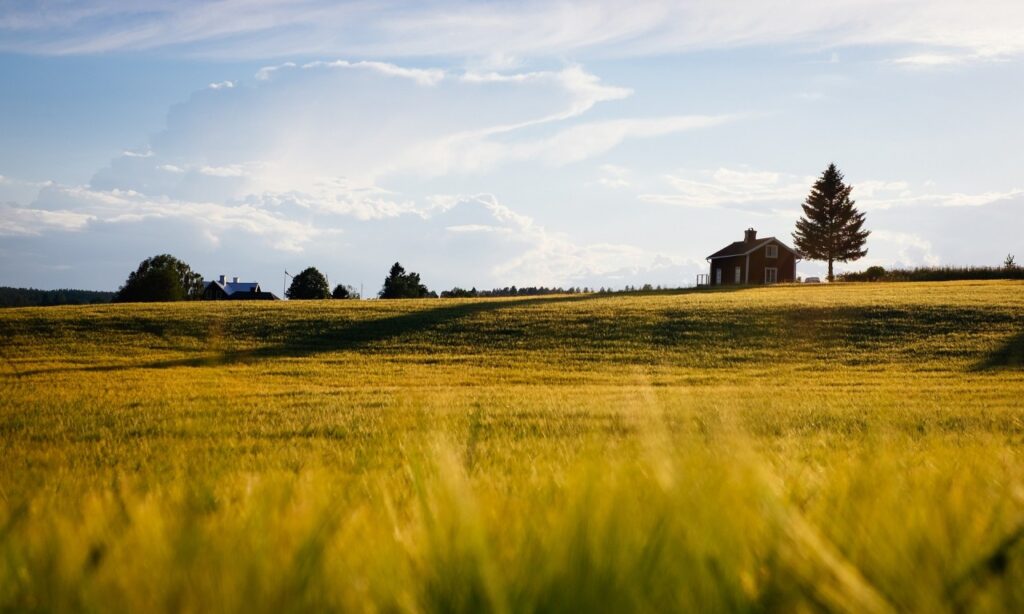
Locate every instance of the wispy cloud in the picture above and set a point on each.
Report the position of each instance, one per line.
(498, 31)
(614, 177)
(770, 192)
(726, 187)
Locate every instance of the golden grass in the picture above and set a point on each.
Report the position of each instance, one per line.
(839, 448)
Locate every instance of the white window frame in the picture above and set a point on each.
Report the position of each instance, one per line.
(739, 275)
(772, 251)
(772, 273)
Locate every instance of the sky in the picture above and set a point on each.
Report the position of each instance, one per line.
(484, 144)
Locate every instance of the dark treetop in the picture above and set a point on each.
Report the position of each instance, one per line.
(831, 229)
(399, 284)
(310, 284)
(161, 278)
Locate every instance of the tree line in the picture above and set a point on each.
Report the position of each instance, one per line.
(1008, 270)
(164, 278)
(30, 297)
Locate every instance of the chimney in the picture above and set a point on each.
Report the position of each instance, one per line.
(749, 235)
(234, 280)
(221, 280)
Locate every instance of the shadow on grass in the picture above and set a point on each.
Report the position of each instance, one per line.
(310, 337)
(1010, 355)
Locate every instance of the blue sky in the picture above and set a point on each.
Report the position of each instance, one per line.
(487, 144)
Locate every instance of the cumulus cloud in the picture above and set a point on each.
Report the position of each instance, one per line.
(271, 169)
(15, 220)
(76, 208)
(523, 252)
(374, 120)
(903, 249)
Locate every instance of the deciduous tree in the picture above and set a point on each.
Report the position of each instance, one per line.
(310, 284)
(160, 278)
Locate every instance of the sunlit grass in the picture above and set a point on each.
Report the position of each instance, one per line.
(846, 448)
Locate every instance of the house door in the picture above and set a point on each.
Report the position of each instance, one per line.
(771, 276)
(739, 277)
(718, 276)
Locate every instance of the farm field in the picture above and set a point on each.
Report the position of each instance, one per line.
(853, 448)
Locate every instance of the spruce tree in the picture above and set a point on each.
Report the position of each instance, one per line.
(399, 284)
(831, 229)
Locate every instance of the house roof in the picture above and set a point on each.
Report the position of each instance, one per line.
(742, 248)
(254, 296)
(232, 287)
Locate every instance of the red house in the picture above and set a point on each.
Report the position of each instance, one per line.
(753, 261)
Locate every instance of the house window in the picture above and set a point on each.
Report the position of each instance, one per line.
(772, 251)
(771, 275)
(738, 278)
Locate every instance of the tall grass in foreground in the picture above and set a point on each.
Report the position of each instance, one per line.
(848, 448)
(706, 528)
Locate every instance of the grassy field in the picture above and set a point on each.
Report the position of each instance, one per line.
(850, 448)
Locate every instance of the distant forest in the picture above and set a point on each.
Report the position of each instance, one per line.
(30, 297)
(938, 273)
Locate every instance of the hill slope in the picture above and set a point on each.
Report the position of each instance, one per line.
(847, 447)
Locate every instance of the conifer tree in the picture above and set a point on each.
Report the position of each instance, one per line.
(399, 284)
(831, 229)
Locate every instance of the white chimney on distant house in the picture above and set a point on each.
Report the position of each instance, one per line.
(234, 280)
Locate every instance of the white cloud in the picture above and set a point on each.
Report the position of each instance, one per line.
(137, 154)
(75, 208)
(222, 85)
(741, 188)
(267, 71)
(232, 170)
(614, 177)
(594, 138)
(428, 76)
(16, 220)
(543, 257)
(419, 120)
(910, 249)
(499, 31)
(476, 151)
(726, 187)
(908, 198)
